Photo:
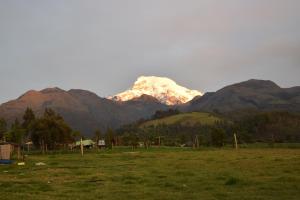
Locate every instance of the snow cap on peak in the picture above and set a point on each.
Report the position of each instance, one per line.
(162, 88)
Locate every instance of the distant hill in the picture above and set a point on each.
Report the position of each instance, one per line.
(83, 110)
(253, 94)
(185, 119)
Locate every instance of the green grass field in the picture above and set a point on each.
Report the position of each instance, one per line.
(158, 173)
(184, 119)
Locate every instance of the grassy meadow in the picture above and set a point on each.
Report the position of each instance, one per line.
(158, 173)
(184, 119)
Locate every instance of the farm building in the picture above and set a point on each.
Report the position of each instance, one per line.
(85, 143)
(101, 144)
(6, 151)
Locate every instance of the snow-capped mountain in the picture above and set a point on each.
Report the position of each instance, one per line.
(163, 89)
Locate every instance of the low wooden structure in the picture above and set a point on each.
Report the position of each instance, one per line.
(29, 144)
(6, 150)
(88, 144)
(101, 144)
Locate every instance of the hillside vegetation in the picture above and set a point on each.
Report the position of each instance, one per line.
(212, 129)
(185, 119)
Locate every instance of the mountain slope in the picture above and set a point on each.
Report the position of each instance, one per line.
(163, 89)
(252, 94)
(83, 110)
(184, 119)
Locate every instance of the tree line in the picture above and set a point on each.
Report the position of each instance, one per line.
(46, 132)
(266, 127)
(50, 131)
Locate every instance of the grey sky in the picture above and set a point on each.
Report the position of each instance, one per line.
(104, 45)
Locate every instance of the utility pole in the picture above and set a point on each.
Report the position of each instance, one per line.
(19, 151)
(235, 141)
(81, 147)
(197, 142)
(159, 141)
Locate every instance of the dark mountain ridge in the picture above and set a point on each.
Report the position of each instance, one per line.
(252, 94)
(83, 110)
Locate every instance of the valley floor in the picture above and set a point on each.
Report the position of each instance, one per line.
(159, 173)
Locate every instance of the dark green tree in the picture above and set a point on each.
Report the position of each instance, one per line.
(16, 133)
(131, 139)
(3, 128)
(218, 137)
(51, 131)
(110, 138)
(97, 135)
(76, 134)
(28, 120)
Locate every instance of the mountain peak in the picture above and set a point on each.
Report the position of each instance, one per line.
(164, 89)
(51, 90)
(256, 84)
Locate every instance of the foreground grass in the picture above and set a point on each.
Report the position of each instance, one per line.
(157, 174)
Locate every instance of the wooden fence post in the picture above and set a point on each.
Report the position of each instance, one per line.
(81, 147)
(159, 141)
(197, 142)
(235, 141)
(19, 152)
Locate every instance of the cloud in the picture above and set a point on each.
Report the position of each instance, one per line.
(104, 45)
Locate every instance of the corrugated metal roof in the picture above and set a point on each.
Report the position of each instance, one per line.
(85, 143)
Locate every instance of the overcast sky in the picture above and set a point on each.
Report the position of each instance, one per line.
(104, 45)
